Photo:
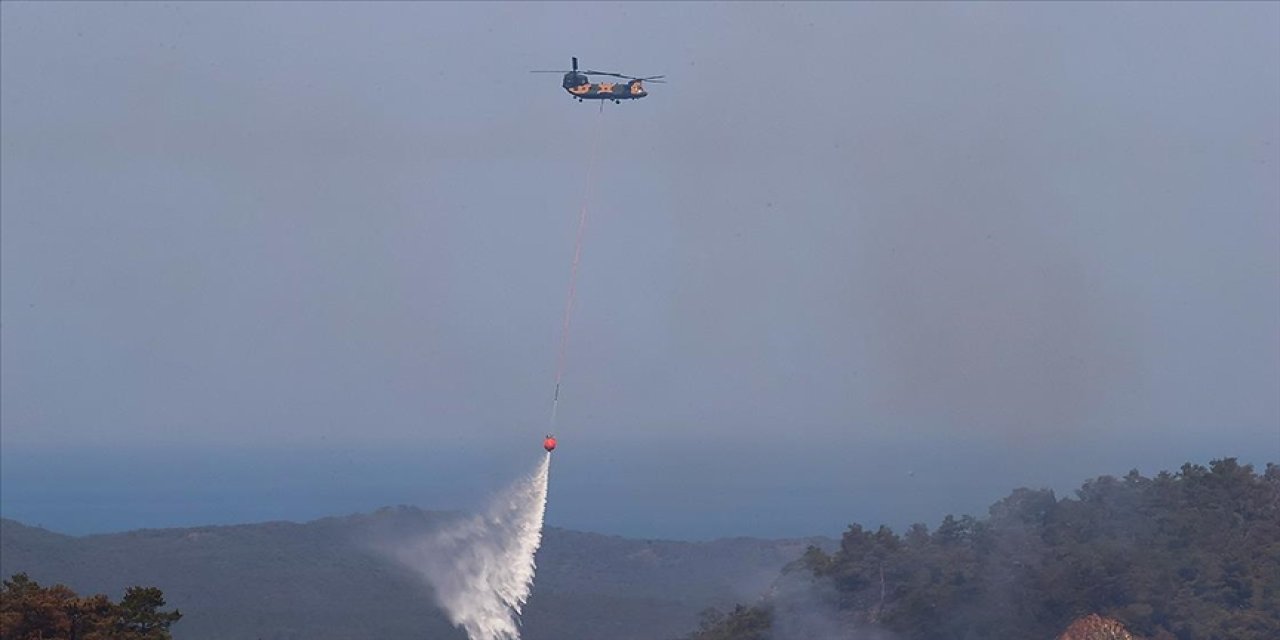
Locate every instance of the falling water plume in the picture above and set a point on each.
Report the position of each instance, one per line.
(482, 567)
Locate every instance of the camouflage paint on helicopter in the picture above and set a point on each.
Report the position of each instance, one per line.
(580, 86)
(605, 90)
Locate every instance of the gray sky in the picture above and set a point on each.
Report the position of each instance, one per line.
(854, 262)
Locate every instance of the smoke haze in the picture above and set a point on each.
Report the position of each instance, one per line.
(1000, 244)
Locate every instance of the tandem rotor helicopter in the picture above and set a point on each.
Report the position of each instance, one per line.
(580, 87)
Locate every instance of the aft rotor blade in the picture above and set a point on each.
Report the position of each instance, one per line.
(619, 75)
(608, 73)
(546, 71)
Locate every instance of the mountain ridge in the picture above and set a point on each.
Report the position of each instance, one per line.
(324, 578)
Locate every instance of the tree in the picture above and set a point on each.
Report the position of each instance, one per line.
(138, 614)
(1185, 555)
(743, 623)
(31, 612)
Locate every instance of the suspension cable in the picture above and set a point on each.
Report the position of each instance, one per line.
(573, 270)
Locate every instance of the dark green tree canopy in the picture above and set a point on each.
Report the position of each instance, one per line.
(1188, 555)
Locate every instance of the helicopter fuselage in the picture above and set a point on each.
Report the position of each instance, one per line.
(581, 88)
(608, 91)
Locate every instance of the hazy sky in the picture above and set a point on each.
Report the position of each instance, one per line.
(854, 262)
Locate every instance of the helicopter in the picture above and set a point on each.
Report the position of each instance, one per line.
(581, 87)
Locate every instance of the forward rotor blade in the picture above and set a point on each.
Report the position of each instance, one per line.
(546, 71)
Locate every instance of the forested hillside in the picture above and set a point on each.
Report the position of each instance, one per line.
(324, 579)
(1191, 555)
(1188, 555)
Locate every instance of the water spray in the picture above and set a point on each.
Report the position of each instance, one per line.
(481, 568)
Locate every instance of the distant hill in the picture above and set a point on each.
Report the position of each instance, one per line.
(321, 579)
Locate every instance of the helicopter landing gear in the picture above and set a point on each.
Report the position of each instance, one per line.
(617, 102)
